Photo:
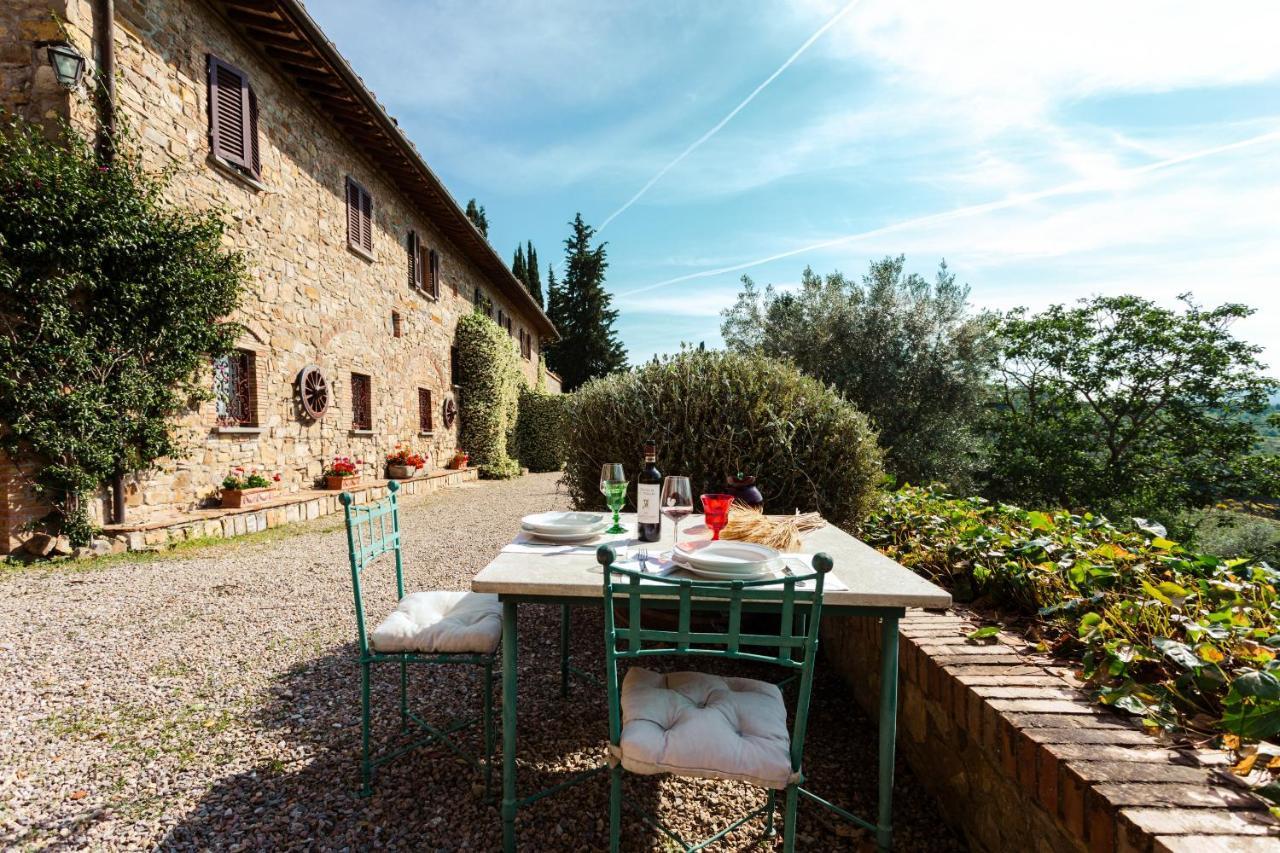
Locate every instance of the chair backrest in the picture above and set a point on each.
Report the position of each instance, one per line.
(373, 529)
(633, 589)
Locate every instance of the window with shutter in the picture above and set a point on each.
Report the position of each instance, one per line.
(414, 250)
(361, 402)
(233, 117)
(359, 218)
(434, 258)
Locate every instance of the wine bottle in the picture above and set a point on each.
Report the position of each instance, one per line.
(649, 496)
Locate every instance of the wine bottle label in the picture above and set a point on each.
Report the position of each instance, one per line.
(648, 497)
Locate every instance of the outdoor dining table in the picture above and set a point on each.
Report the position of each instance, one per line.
(874, 585)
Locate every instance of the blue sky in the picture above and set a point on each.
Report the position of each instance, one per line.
(1047, 152)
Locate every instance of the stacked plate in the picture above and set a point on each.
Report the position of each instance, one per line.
(726, 560)
(565, 527)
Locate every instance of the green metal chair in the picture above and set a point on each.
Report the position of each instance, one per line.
(436, 627)
(693, 724)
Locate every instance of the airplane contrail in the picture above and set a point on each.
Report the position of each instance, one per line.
(1082, 186)
(713, 131)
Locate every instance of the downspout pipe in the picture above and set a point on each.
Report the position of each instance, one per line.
(104, 26)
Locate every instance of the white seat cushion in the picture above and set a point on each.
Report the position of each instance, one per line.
(438, 621)
(692, 724)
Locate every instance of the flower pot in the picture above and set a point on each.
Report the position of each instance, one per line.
(401, 472)
(337, 483)
(236, 498)
(459, 462)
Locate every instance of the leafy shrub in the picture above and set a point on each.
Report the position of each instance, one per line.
(1229, 533)
(490, 395)
(114, 299)
(540, 430)
(716, 413)
(1176, 636)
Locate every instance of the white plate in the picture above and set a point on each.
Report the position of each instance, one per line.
(765, 571)
(731, 556)
(564, 522)
(566, 538)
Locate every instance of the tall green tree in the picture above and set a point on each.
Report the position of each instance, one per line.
(908, 352)
(112, 299)
(475, 212)
(524, 266)
(1121, 405)
(582, 310)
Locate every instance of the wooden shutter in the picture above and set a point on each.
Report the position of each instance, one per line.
(255, 162)
(233, 123)
(359, 217)
(414, 250)
(434, 259)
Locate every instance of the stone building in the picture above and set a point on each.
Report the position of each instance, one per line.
(360, 261)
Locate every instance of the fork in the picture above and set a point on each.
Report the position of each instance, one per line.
(643, 557)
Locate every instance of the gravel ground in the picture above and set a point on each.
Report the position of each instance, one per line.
(208, 699)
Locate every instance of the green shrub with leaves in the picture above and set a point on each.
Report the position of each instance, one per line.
(490, 402)
(540, 430)
(1181, 638)
(716, 413)
(111, 302)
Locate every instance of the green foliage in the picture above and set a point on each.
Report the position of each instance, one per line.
(716, 413)
(110, 302)
(1176, 636)
(906, 351)
(1230, 533)
(475, 212)
(1128, 407)
(490, 400)
(524, 266)
(580, 308)
(540, 431)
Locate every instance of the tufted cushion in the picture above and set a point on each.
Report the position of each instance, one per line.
(439, 621)
(693, 724)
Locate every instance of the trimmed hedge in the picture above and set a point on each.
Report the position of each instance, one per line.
(490, 400)
(717, 413)
(540, 438)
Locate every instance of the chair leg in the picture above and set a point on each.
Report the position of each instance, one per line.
(615, 808)
(404, 697)
(769, 829)
(488, 730)
(789, 826)
(366, 765)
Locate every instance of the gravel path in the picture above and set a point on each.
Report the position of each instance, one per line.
(208, 699)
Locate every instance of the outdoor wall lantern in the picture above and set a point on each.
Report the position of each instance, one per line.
(68, 64)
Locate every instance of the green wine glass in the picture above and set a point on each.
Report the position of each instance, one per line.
(613, 482)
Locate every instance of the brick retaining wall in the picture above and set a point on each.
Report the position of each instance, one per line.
(1020, 760)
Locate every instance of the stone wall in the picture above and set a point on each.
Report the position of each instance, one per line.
(310, 299)
(1020, 760)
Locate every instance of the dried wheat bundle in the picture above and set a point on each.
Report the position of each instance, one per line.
(782, 532)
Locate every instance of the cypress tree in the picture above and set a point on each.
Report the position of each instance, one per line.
(533, 275)
(518, 268)
(582, 310)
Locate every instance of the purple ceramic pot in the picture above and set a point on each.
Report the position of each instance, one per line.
(745, 490)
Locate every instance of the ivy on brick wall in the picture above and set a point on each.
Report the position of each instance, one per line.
(491, 384)
(111, 299)
(540, 430)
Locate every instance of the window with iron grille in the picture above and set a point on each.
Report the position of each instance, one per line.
(235, 389)
(233, 117)
(359, 217)
(424, 410)
(361, 402)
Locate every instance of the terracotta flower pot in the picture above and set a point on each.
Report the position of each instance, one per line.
(236, 498)
(338, 483)
(459, 462)
(401, 472)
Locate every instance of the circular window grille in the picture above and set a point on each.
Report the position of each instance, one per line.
(313, 389)
(450, 412)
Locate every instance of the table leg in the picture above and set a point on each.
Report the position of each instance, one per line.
(564, 651)
(509, 726)
(888, 728)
